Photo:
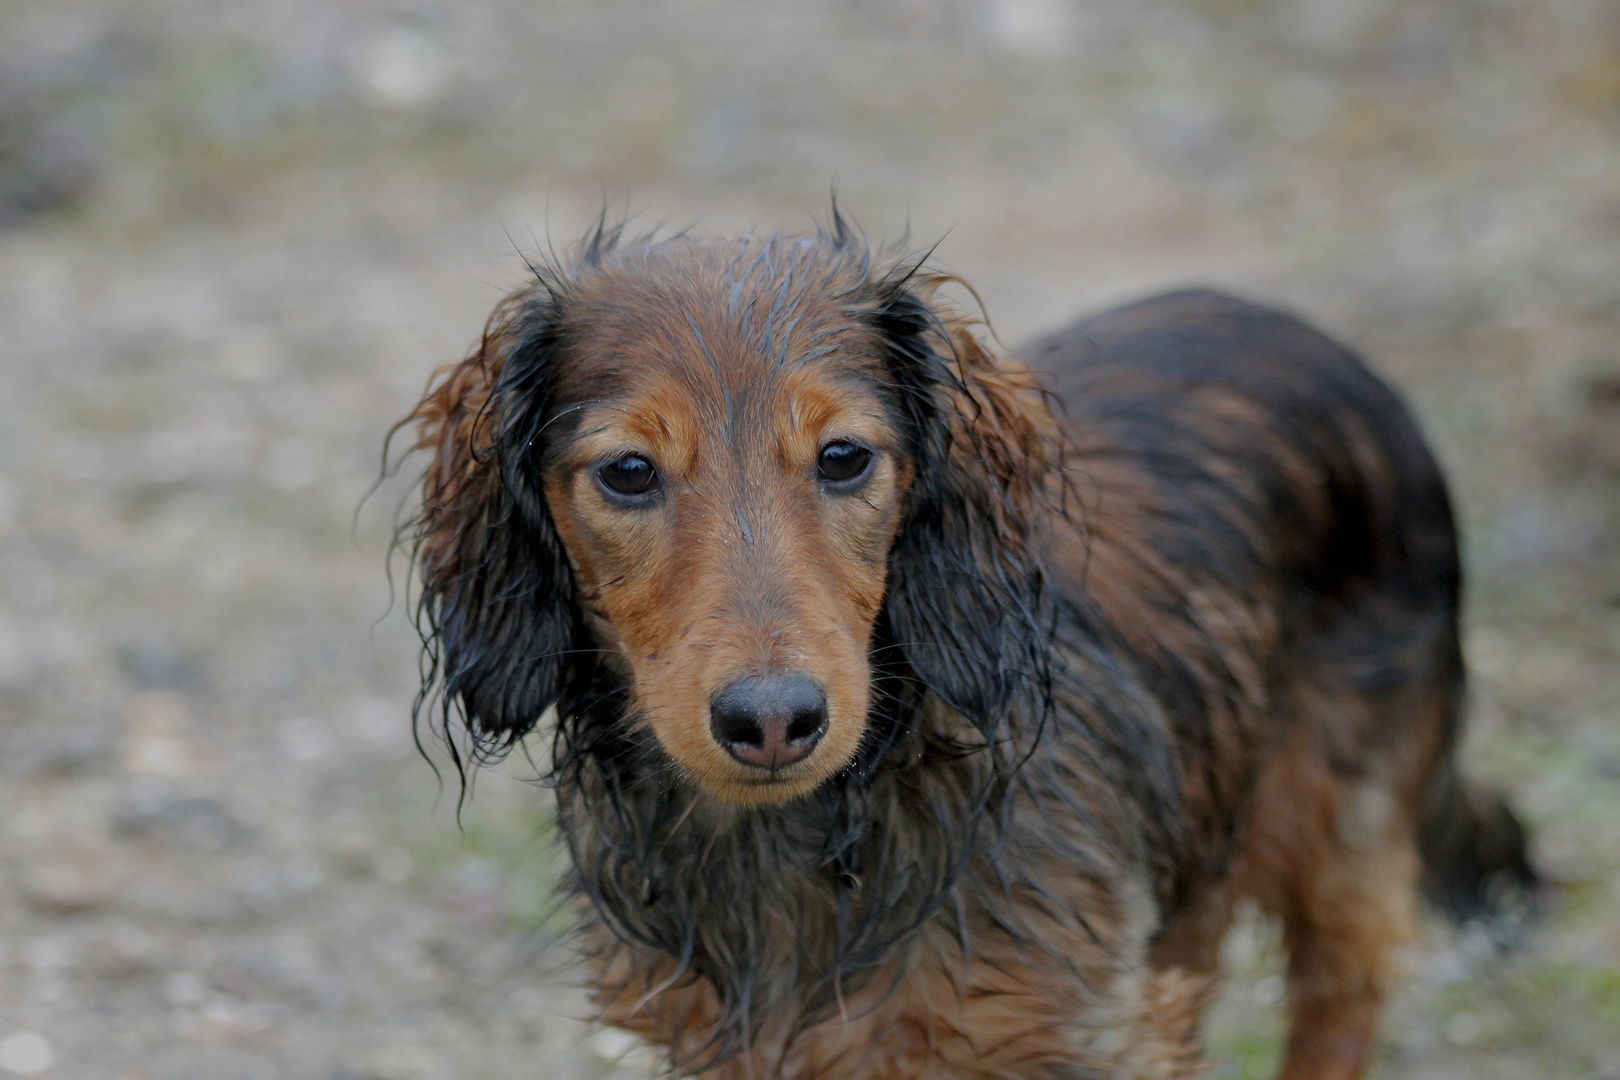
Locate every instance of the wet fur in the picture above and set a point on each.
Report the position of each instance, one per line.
(1169, 624)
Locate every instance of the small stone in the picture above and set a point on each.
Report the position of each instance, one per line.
(226, 1016)
(156, 744)
(401, 69)
(26, 1053)
(63, 889)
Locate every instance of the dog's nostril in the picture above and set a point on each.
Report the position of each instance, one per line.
(738, 728)
(769, 720)
(803, 728)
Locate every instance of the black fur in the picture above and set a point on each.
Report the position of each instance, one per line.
(505, 624)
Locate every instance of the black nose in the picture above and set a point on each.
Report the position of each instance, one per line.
(769, 720)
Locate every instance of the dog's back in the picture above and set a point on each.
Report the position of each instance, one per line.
(1252, 485)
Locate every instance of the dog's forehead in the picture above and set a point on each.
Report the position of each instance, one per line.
(733, 324)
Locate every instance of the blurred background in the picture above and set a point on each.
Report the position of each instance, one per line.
(237, 235)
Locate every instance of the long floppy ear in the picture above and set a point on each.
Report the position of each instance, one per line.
(967, 597)
(501, 627)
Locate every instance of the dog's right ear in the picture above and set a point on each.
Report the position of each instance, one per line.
(497, 616)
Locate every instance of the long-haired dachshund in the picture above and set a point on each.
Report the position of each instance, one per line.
(923, 713)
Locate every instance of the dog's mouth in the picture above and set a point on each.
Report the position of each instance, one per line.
(776, 781)
(764, 783)
(784, 787)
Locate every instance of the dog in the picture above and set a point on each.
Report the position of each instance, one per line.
(922, 713)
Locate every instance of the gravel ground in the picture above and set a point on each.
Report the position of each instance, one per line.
(235, 238)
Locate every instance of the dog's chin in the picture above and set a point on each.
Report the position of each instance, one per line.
(746, 791)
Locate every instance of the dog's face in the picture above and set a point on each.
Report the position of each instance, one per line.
(728, 514)
(712, 467)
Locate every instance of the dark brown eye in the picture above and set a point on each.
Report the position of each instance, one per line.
(631, 476)
(843, 463)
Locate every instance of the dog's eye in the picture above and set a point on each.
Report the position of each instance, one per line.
(629, 476)
(842, 462)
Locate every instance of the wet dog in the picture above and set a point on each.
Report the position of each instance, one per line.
(923, 713)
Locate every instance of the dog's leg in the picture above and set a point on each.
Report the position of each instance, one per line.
(1343, 931)
(1335, 858)
(1192, 940)
(1186, 963)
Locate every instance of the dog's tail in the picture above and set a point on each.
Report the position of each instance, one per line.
(1476, 862)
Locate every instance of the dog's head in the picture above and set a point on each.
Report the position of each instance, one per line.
(717, 470)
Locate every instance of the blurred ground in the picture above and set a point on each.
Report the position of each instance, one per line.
(236, 237)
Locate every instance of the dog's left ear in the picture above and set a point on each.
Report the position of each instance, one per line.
(967, 596)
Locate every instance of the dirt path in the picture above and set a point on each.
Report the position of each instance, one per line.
(238, 237)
